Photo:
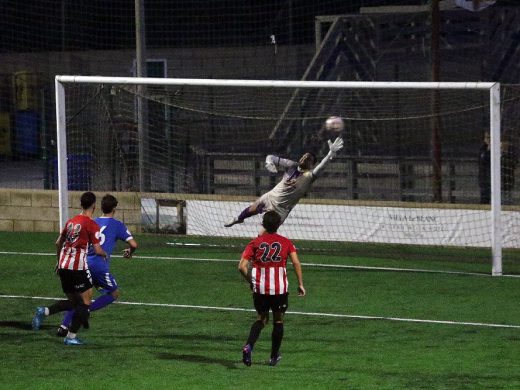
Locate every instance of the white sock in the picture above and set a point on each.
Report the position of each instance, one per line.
(46, 311)
(71, 335)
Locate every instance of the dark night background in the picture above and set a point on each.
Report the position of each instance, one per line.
(58, 25)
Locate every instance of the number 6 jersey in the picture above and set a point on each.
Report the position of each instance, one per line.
(268, 254)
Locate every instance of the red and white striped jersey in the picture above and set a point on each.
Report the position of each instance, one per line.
(269, 253)
(78, 232)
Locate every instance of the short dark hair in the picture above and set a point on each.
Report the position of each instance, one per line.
(312, 154)
(108, 203)
(87, 200)
(271, 221)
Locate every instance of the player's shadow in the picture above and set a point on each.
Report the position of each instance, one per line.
(199, 337)
(16, 325)
(197, 359)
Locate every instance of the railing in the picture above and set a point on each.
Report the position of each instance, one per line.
(404, 179)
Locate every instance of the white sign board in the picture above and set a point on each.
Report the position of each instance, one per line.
(415, 226)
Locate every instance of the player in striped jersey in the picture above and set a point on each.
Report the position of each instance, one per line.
(296, 182)
(72, 268)
(268, 255)
(111, 230)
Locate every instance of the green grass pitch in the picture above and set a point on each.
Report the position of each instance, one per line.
(181, 324)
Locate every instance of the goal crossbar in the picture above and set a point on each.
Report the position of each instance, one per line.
(275, 83)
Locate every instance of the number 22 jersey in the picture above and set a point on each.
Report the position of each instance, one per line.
(268, 254)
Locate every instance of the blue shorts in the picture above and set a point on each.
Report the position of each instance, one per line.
(104, 281)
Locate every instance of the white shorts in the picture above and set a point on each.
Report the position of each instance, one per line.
(267, 204)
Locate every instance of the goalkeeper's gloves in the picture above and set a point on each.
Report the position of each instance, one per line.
(270, 167)
(335, 147)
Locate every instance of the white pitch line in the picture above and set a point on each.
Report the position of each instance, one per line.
(419, 270)
(321, 265)
(28, 253)
(352, 316)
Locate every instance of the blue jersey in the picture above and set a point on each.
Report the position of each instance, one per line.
(110, 230)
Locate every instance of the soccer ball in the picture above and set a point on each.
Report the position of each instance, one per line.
(334, 124)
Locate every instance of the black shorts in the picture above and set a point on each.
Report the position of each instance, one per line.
(264, 303)
(75, 281)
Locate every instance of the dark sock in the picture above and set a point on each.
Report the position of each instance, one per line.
(67, 318)
(254, 333)
(276, 338)
(80, 317)
(246, 214)
(56, 307)
(101, 302)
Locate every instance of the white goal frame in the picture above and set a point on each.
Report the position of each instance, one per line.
(494, 96)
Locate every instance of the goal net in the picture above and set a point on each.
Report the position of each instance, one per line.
(421, 167)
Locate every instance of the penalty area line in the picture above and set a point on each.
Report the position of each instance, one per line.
(299, 313)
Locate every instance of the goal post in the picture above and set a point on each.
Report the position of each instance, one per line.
(496, 203)
(61, 145)
(382, 114)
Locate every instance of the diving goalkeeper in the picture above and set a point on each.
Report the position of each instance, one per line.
(296, 182)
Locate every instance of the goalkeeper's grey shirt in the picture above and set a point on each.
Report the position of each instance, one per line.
(293, 186)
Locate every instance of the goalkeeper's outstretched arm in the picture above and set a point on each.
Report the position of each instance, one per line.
(272, 163)
(334, 148)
